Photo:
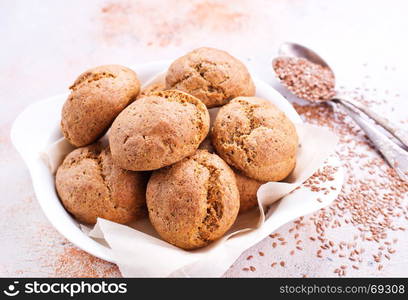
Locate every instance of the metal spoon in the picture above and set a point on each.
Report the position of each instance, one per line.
(394, 154)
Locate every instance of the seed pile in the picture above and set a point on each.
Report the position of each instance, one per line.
(358, 234)
(305, 79)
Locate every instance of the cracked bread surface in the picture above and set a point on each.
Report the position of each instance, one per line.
(212, 75)
(158, 130)
(90, 185)
(97, 97)
(194, 201)
(254, 136)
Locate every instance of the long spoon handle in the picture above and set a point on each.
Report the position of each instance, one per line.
(395, 155)
(392, 128)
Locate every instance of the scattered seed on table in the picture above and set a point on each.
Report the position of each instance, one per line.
(282, 263)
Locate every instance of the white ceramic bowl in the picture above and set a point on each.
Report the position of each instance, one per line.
(37, 127)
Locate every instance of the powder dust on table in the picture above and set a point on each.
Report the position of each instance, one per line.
(73, 262)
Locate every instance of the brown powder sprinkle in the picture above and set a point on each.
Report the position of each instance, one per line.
(74, 262)
(129, 18)
(305, 79)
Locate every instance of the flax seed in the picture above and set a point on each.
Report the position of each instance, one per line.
(282, 263)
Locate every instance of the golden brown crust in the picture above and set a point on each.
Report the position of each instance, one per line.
(248, 189)
(97, 97)
(257, 138)
(194, 201)
(90, 186)
(158, 130)
(212, 75)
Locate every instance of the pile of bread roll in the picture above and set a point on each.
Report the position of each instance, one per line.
(163, 158)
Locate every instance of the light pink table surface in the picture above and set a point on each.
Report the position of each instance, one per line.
(46, 44)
